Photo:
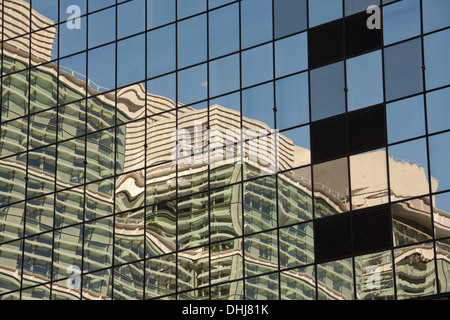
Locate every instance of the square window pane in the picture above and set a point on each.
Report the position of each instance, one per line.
(102, 27)
(192, 40)
(130, 60)
(13, 185)
(256, 22)
(224, 75)
(48, 9)
(257, 65)
(401, 20)
(331, 191)
(437, 51)
(192, 84)
(292, 101)
(297, 245)
(39, 215)
(298, 284)
(335, 279)
(16, 87)
(408, 169)
(161, 50)
(72, 39)
(11, 258)
(322, 11)
(230, 102)
(260, 207)
(439, 160)
(290, 16)
(257, 104)
(224, 30)
(435, 14)
(102, 70)
(160, 12)
(126, 248)
(262, 288)
(294, 198)
(364, 81)
(438, 110)
(327, 91)
(163, 93)
(129, 281)
(375, 276)
(411, 221)
(70, 169)
(67, 251)
(130, 18)
(44, 44)
(37, 259)
(403, 69)
(441, 209)
(14, 137)
(97, 284)
(291, 54)
(160, 224)
(415, 268)
(261, 253)
(11, 222)
(98, 244)
(405, 119)
(442, 256)
(73, 66)
(368, 178)
(161, 276)
(69, 207)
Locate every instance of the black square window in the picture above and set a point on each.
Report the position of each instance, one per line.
(328, 139)
(372, 230)
(367, 129)
(333, 238)
(325, 44)
(359, 38)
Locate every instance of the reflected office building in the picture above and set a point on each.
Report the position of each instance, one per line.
(181, 153)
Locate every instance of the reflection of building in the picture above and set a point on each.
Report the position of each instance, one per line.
(16, 17)
(88, 179)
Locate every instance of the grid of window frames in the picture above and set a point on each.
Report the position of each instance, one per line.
(94, 206)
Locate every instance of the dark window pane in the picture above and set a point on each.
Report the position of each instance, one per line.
(333, 238)
(403, 69)
(329, 139)
(366, 129)
(327, 91)
(290, 17)
(358, 38)
(325, 44)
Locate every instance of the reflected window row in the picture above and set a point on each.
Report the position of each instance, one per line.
(230, 211)
(353, 85)
(255, 15)
(405, 273)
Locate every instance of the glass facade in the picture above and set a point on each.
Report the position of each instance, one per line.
(224, 150)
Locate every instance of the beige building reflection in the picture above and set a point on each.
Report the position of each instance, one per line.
(190, 219)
